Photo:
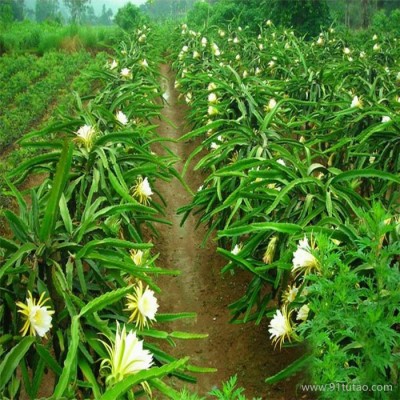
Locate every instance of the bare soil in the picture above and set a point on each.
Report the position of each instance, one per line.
(244, 350)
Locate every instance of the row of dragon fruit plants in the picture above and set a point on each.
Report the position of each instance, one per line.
(79, 304)
(300, 144)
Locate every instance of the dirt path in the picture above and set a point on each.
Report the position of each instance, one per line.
(244, 350)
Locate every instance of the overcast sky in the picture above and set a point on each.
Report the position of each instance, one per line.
(113, 4)
(97, 4)
(118, 3)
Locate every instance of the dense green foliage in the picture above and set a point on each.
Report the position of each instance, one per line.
(30, 37)
(129, 17)
(305, 16)
(26, 97)
(299, 141)
(80, 242)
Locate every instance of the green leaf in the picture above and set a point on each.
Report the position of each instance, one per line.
(260, 227)
(65, 214)
(365, 173)
(290, 370)
(108, 298)
(187, 335)
(174, 317)
(48, 359)
(12, 360)
(8, 244)
(201, 370)
(22, 251)
(94, 244)
(70, 361)
(88, 374)
(27, 165)
(122, 387)
(60, 179)
(18, 227)
(164, 388)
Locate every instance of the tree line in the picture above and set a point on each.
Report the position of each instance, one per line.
(79, 11)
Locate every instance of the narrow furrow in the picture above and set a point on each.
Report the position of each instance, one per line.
(232, 349)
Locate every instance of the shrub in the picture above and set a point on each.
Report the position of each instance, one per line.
(129, 17)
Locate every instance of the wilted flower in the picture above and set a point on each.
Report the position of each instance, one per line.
(143, 306)
(290, 294)
(142, 190)
(236, 250)
(114, 64)
(280, 326)
(126, 73)
(302, 314)
(303, 259)
(376, 47)
(281, 162)
(273, 186)
(37, 316)
(121, 118)
(85, 135)
(215, 50)
(356, 102)
(188, 98)
(144, 63)
(271, 105)
(137, 257)
(126, 356)
(214, 146)
(212, 111)
(212, 98)
(211, 86)
(270, 251)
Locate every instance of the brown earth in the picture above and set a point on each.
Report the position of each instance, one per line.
(244, 350)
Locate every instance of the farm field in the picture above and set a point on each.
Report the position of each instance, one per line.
(212, 213)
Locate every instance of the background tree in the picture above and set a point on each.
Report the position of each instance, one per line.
(46, 9)
(77, 9)
(11, 10)
(106, 16)
(128, 17)
(306, 16)
(199, 15)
